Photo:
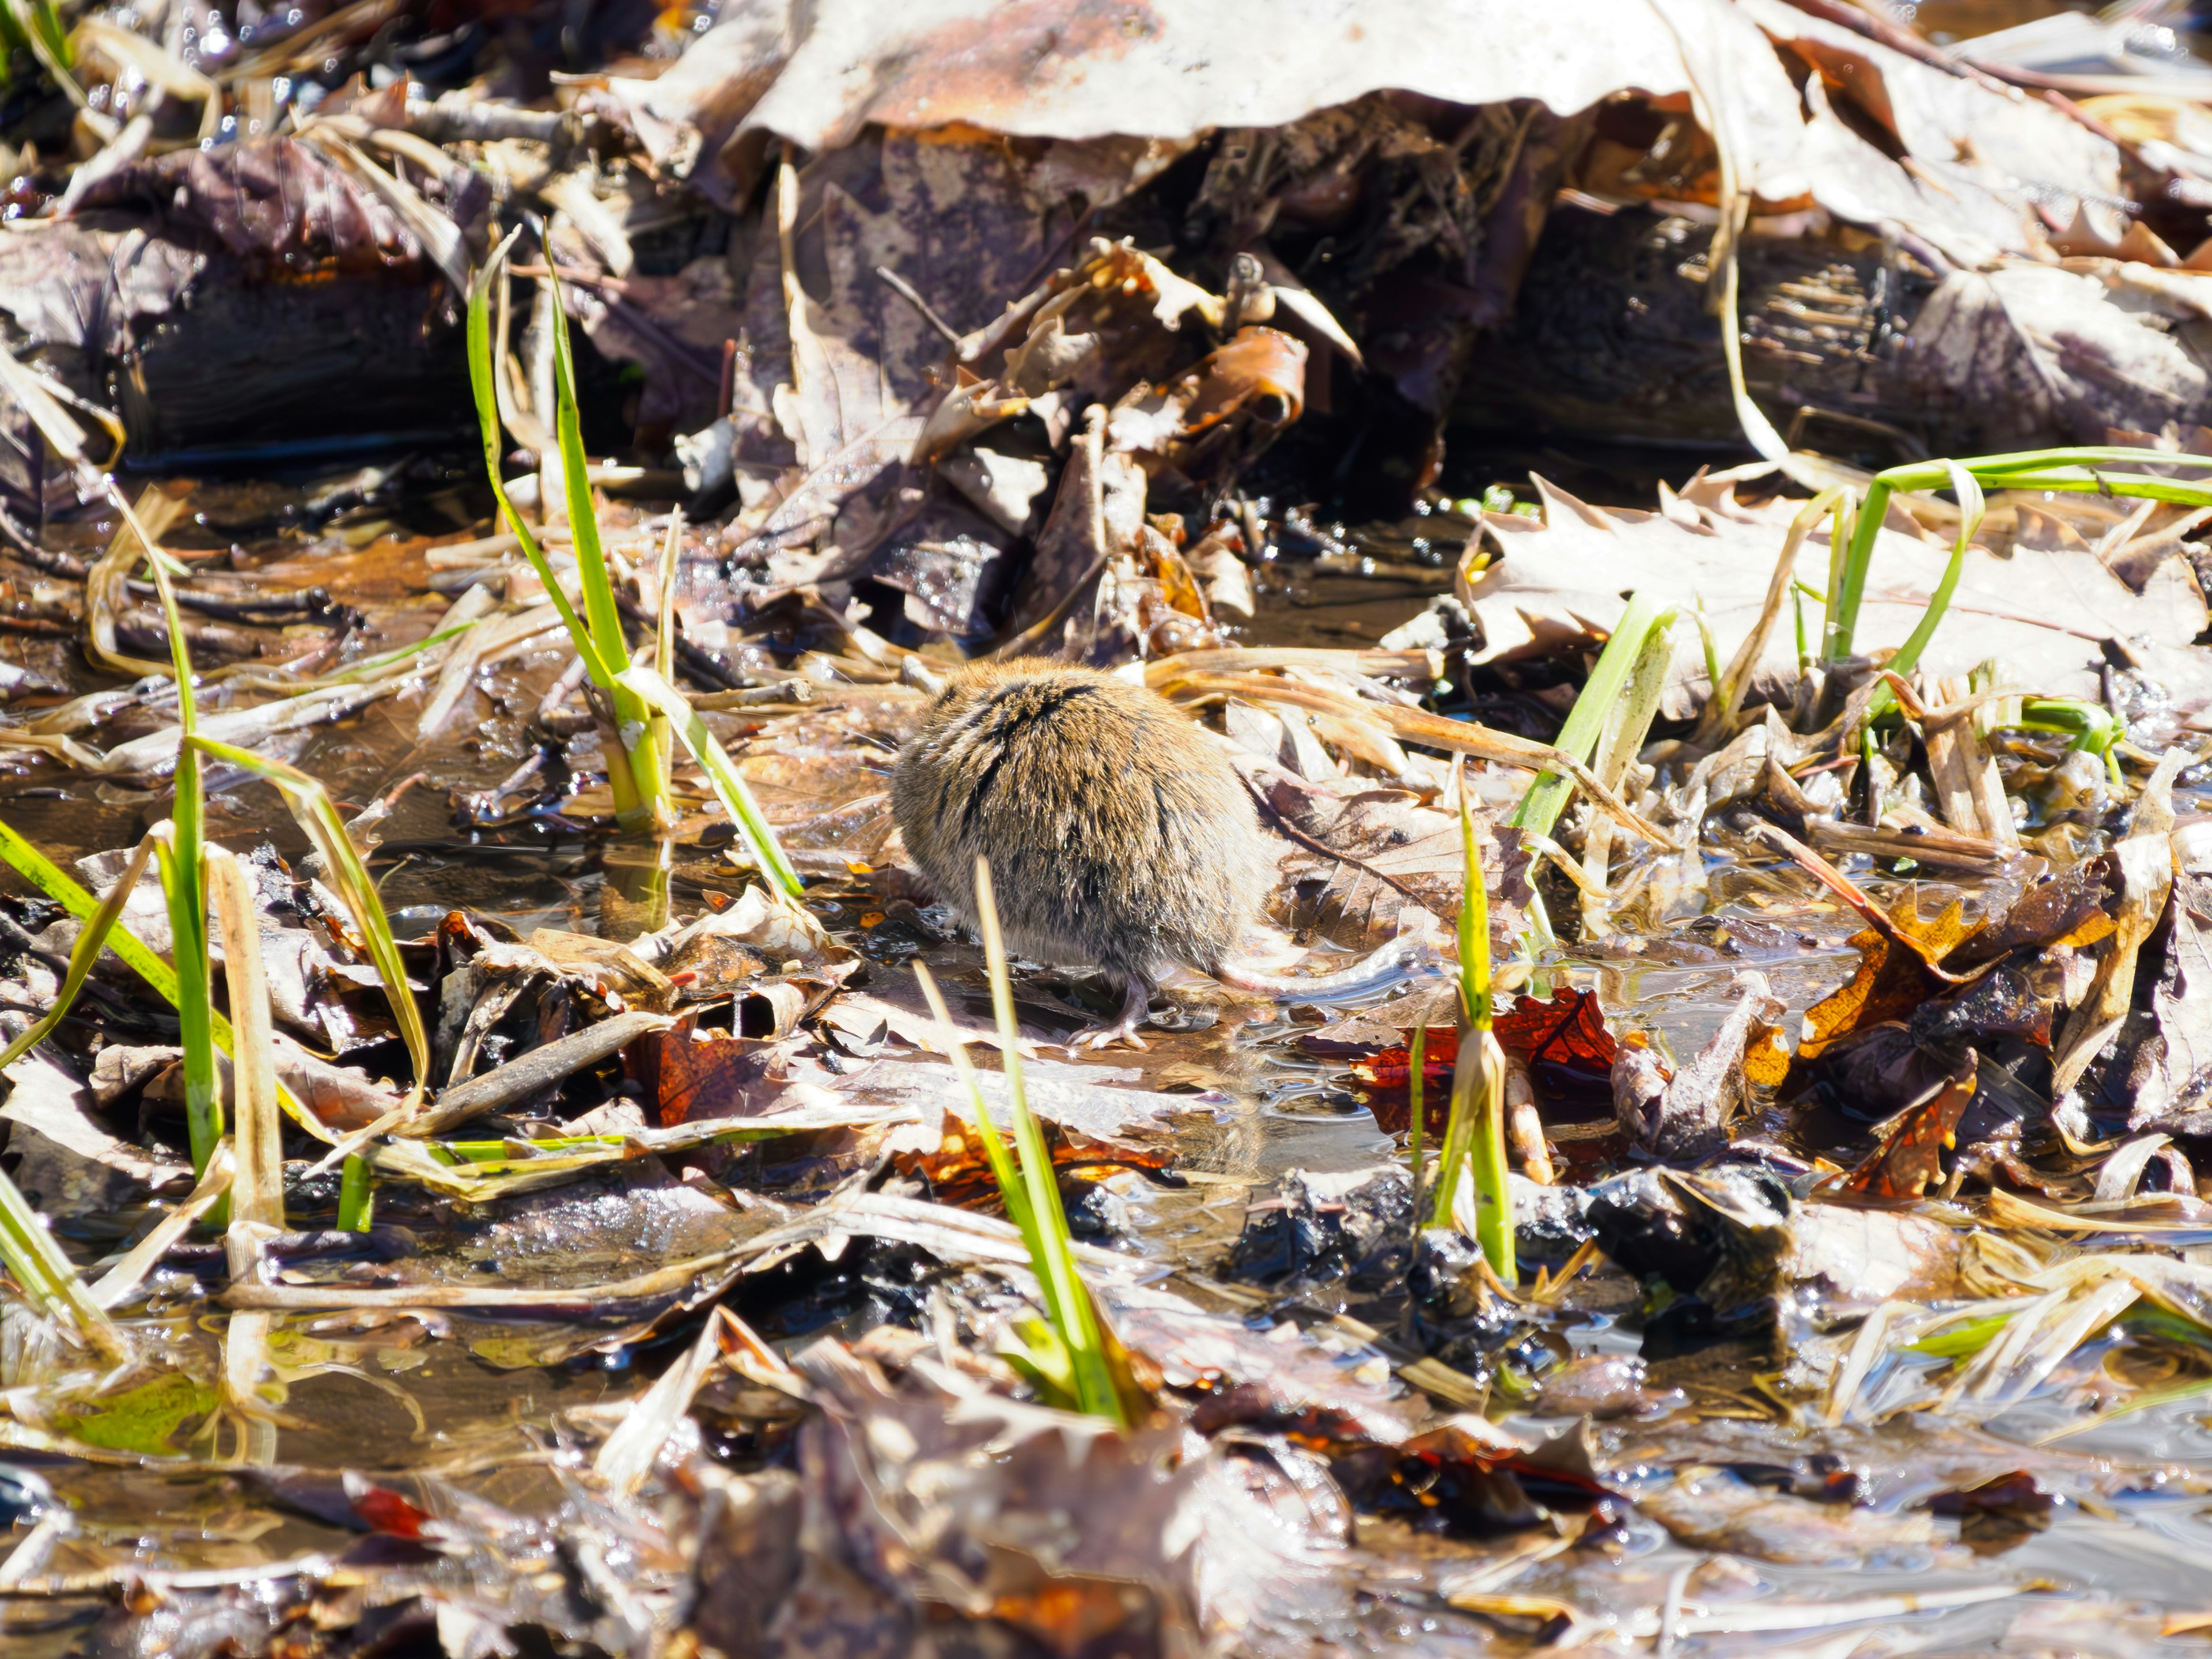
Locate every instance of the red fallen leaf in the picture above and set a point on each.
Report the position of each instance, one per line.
(689, 1075)
(1565, 1046)
(959, 1173)
(1562, 1041)
(387, 1511)
(1392, 1068)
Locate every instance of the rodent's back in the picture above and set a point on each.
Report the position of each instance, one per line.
(1118, 837)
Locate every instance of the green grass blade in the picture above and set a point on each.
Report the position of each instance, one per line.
(1475, 1130)
(318, 816)
(183, 883)
(356, 1196)
(1073, 1314)
(1708, 644)
(633, 717)
(1547, 796)
(481, 371)
(1971, 508)
(1628, 723)
(42, 32)
(1931, 475)
(1015, 1197)
(1960, 1340)
(1487, 1150)
(2071, 470)
(66, 891)
(92, 937)
(47, 1277)
(664, 639)
(41, 872)
(2128, 484)
(46, 19)
(601, 614)
(655, 693)
(1847, 581)
(1473, 920)
(372, 665)
(2091, 726)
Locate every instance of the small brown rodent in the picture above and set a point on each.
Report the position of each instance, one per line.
(1119, 835)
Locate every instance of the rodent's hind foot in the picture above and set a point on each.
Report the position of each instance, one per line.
(1095, 1038)
(1136, 1009)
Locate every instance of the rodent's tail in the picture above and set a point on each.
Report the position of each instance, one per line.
(1377, 969)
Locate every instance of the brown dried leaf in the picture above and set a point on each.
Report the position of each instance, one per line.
(1890, 983)
(1909, 1160)
(274, 203)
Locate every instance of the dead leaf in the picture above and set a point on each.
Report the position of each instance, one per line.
(2174, 1072)
(1559, 586)
(1909, 1159)
(273, 203)
(1718, 1510)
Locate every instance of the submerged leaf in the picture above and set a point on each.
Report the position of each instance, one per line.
(1890, 983)
(145, 1419)
(1562, 1041)
(1909, 1160)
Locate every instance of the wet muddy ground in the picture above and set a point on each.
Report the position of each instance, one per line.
(1744, 1506)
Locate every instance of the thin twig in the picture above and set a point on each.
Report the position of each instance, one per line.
(905, 290)
(1311, 845)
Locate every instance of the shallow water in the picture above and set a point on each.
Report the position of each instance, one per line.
(492, 1393)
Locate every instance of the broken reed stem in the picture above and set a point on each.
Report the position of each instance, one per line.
(258, 1187)
(664, 639)
(321, 821)
(1628, 722)
(1417, 725)
(1072, 1315)
(120, 1282)
(1729, 689)
(1475, 1132)
(256, 1192)
(318, 818)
